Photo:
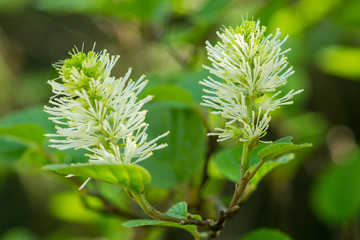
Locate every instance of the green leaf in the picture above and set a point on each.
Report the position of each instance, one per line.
(284, 140)
(227, 161)
(335, 196)
(34, 115)
(64, 5)
(68, 206)
(131, 177)
(268, 166)
(27, 125)
(37, 117)
(179, 210)
(265, 234)
(341, 61)
(148, 11)
(212, 10)
(152, 222)
(187, 79)
(168, 93)
(315, 131)
(18, 233)
(10, 150)
(186, 143)
(27, 133)
(11, 6)
(279, 148)
(141, 222)
(20, 131)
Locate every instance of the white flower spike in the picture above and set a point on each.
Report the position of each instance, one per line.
(99, 113)
(251, 67)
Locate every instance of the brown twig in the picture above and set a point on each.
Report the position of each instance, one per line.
(211, 147)
(211, 227)
(235, 201)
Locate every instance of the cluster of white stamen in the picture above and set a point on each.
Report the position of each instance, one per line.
(99, 113)
(251, 67)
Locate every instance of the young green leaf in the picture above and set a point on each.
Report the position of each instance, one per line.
(340, 61)
(10, 150)
(141, 222)
(335, 194)
(27, 133)
(265, 233)
(34, 115)
(152, 222)
(227, 161)
(186, 143)
(68, 206)
(280, 147)
(131, 177)
(284, 140)
(179, 210)
(168, 93)
(268, 166)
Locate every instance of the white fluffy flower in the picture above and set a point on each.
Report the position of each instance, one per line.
(251, 66)
(99, 113)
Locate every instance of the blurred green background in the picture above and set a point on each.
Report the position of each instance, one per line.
(316, 196)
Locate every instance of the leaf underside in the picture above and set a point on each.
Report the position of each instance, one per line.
(280, 147)
(179, 210)
(131, 177)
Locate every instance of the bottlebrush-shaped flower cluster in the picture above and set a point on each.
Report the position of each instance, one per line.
(97, 112)
(250, 66)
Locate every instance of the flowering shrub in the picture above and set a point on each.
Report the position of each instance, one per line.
(103, 115)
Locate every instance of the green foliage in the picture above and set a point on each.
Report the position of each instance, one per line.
(7, 6)
(68, 206)
(22, 135)
(268, 166)
(315, 130)
(168, 93)
(23, 132)
(323, 40)
(340, 61)
(335, 196)
(280, 147)
(186, 143)
(179, 210)
(10, 150)
(27, 133)
(227, 161)
(131, 177)
(18, 233)
(151, 11)
(187, 81)
(34, 115)
(142, 222)
(210, 10)
(265, 234)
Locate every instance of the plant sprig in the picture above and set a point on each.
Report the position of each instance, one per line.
(103, 115)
